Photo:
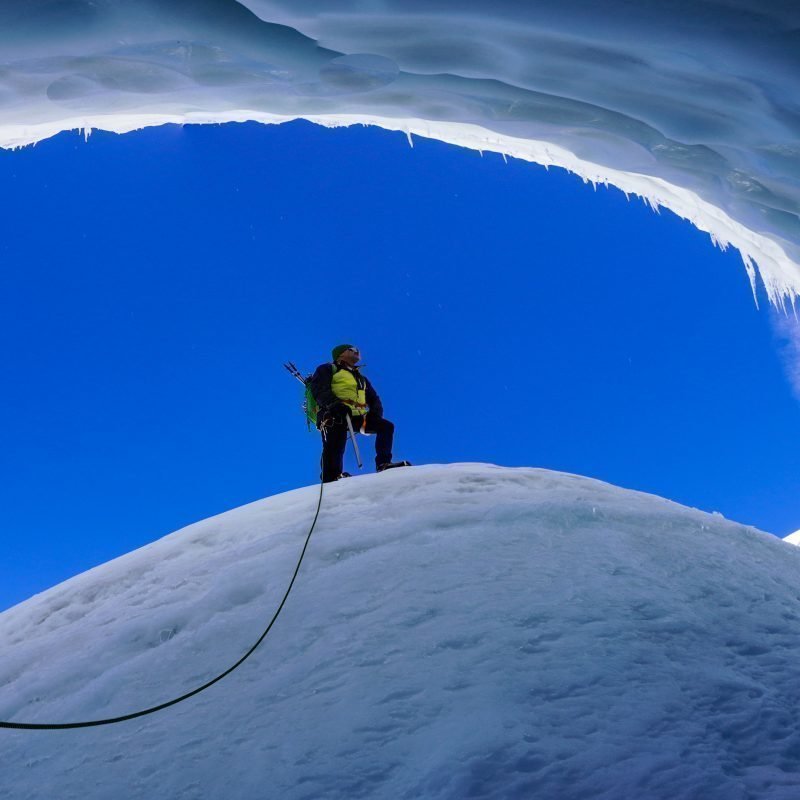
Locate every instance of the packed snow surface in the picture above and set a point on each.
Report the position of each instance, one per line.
(692, 104)
(456, 631)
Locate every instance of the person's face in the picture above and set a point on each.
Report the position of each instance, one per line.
(350, 356)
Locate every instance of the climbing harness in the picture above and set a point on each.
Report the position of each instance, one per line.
(38, 726)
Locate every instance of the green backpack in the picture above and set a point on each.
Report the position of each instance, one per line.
(310, 407)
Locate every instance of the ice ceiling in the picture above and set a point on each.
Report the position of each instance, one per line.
(691, 104)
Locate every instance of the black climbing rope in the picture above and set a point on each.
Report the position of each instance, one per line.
(39, 726)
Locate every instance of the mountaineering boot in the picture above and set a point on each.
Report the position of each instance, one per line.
(337, 478)
(392, 465)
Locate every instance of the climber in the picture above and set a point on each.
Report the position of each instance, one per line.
(341, 391)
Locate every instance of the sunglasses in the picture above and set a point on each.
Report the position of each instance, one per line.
(353, 349)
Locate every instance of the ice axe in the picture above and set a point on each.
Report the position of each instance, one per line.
(353, 440)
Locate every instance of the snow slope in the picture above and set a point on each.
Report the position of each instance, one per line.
(456, 631)
(691, 104)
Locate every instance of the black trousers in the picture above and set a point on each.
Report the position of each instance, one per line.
(334, 442)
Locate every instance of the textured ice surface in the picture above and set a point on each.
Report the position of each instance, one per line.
(460, 631)
(692, 104)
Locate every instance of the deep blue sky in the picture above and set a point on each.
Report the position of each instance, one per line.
(152, 284)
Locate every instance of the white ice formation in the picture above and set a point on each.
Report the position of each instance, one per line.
(691, 104)
(459, 631)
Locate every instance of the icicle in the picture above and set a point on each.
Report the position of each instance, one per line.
(504, 157)
(751, 273)
(410, 140)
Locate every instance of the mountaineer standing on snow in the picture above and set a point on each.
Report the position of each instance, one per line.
(340, 390)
